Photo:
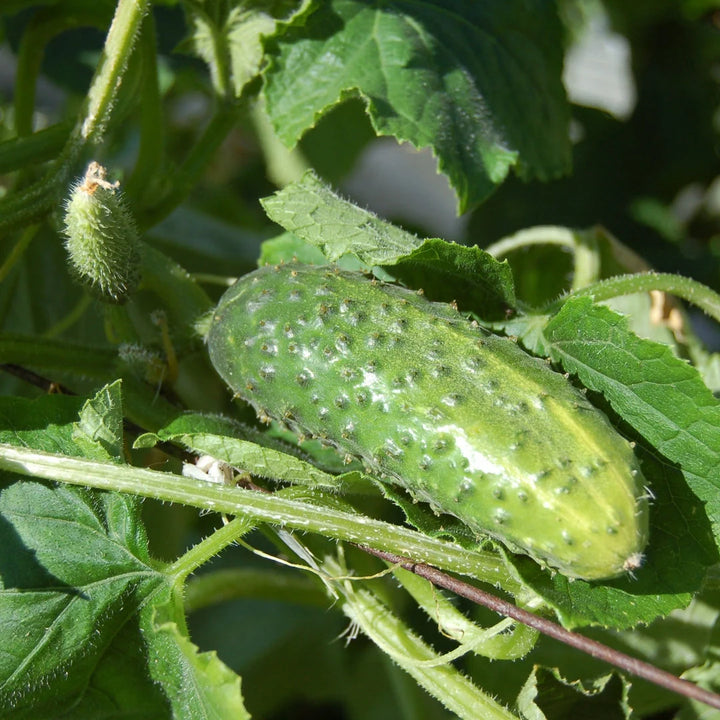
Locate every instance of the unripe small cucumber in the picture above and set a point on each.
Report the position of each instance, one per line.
(102, 240)
(463, 419)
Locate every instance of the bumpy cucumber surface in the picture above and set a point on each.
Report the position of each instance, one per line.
(463, 419)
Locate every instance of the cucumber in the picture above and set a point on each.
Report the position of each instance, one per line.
(101, 237)
(463, 419)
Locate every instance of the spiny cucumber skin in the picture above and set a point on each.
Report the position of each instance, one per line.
(463, 419)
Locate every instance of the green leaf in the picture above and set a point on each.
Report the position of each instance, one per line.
(74, 569)
(447, 272)
(199, 685)
(44, 423)
(317, 215)
(77, 578)
(547, 696)
(29, 307)
(62, 358)
(661, 396)
(229, 37)
(119, 686)
(479, 83)
(706, 674)
(314, 215)
(75, 574)
(99, 432)
(217, 437)
(205, 243)
(708, 677)
(686, 639)
(288, 247)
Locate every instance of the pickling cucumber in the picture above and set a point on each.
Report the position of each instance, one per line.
(463, 419)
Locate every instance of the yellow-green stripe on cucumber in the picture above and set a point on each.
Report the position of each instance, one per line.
(464, 419)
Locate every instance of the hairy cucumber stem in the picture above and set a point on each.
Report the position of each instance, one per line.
(483, 565)
(582, 243)
(686, 288)
(208, 548)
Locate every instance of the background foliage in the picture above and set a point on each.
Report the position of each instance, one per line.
(227, 124)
